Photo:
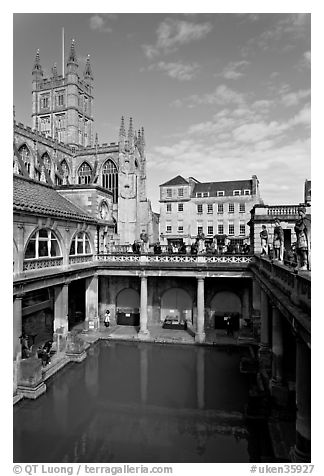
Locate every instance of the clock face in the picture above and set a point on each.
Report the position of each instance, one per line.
(103, 210)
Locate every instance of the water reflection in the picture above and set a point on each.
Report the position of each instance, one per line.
(131, 402)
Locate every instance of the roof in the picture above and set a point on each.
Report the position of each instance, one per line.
(178, 180)
(227, 187)
(39, 198)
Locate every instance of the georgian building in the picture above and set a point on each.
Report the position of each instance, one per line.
(108, 180)
(189, 207)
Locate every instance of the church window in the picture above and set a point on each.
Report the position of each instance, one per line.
(25, 155)
(65, 168)
(110, 178)
(84, 174)
(43, 244)
(80, 244)
(47, 162)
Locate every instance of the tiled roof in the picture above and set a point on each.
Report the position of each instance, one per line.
(36, 197)
(228, 187)
(178, 180)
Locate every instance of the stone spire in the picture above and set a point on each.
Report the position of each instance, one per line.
(143, 137)
(87, 74)
(130, 133)
(54, 71)
(122, 135)
(37, 69)
(72, 55)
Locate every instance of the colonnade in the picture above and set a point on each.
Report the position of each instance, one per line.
(272, 352)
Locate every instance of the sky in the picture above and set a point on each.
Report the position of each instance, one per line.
(220, 96)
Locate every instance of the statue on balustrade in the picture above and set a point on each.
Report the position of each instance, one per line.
(145, 242)
(201, 242)
(303, 229)
(264, 240)
(278, 240)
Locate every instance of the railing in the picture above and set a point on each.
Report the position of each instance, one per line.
(296, 286)
(42, 263)
(283, 210)
(80, 259)
(175, 259)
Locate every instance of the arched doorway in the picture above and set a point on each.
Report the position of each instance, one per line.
(176, 302)
(127, 307)
(226, 303)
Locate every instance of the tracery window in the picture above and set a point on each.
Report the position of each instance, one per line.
(110, 178)
(43, 244)
(65, 168)
(25, 155)
(80, 244)
(47, 162)
(84, 174)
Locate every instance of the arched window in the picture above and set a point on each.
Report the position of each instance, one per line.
(47, 162)
(65, 168)
(84, 173)
(80, 244)
(25, 155)
(110, 178)
(43, 244)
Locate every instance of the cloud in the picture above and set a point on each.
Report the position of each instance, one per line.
(100, 22)
(172, 33)
(179, 71)
(222, 95)
(232, 70)
(294, 98)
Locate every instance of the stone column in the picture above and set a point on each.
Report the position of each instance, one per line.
(61, 308)
(144, 332)
(302, 450)
(144, 373)
(256, 308)
(245, 307)
(200, 334)
(17, 325)
(201, 378)
(279, 389)
(264, 353)
(277, 346)
(92, 317)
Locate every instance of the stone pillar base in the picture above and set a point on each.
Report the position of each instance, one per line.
(77, 357)
(265, 358)
(200, 337)
(31, 392)
(298, 456)
(279, 393)
(144, 335)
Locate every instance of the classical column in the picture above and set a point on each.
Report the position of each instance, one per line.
(277, 346)
(245, 307)
(144, 373)
(256, 308)
(200, 334)
(302, 449)
(143, 333)
(92, 302)
(200, 378)
(17, 325)
(264, 322)
(264, 351)
(61, 308)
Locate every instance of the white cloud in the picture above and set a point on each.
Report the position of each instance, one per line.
(100, 22)
(171, 33)
(294, 98)
(232, 70)
(179, 71)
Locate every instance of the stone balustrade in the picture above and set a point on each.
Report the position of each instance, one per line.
(174, 259)
(297, 286)
(41, 263)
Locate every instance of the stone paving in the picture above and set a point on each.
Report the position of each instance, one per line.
(158, 334)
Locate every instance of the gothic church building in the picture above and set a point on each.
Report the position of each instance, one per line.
(106, 181)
